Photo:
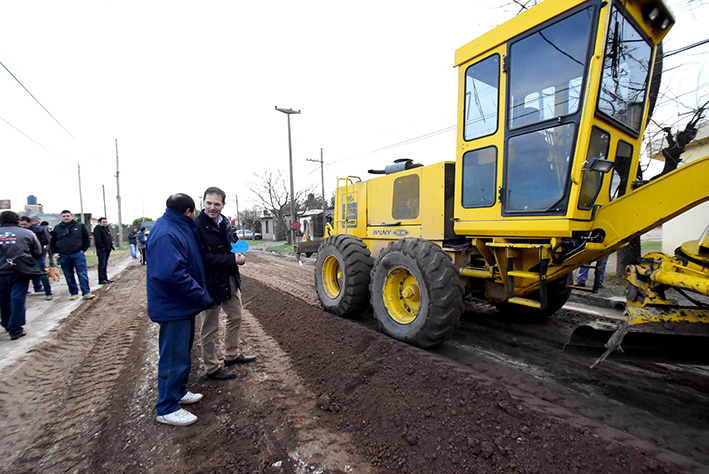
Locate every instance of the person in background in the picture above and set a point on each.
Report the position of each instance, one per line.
(41, 284)
(176, 294)
(104, 245)
(14, 242)
(133, 242)
(69, 241)
(142, 248)
(583, 274)
(45, 224)
(224, 285)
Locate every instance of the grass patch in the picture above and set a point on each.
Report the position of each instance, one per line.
(92, 258)
(280, 248)
(650, 246)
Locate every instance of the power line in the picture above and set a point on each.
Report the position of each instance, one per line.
(399, 144)
(48, 113)
(35, 99)
(35, 141)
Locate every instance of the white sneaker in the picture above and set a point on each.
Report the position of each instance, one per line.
(180, 417)
(191, 398)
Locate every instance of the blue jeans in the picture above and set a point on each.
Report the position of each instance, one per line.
(175, 343)
(12, 304)
(583, 273)
(133, 248)
(69, 262)
(43, 281)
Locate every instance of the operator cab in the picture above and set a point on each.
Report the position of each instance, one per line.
(551, 117)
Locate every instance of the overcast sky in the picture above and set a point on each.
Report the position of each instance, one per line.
(189, 90)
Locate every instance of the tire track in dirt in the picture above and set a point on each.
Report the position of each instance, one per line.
(300, 281)
(50, 420)
(273, 384)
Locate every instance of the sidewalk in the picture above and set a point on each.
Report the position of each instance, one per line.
(43, 316)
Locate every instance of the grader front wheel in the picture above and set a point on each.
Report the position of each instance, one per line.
(416, 292)
(342, 275)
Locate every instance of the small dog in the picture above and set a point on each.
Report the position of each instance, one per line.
(53, 273)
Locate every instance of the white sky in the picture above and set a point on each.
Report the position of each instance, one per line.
(189, 90)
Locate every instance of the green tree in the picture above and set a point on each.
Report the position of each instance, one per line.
(138, 220)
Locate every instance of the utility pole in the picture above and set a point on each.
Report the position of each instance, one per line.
(238, 221)
(118, 198)
(293, 219)
(103, 190)
(81, 200)
(322, 180)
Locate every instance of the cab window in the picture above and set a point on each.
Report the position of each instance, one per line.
(482, 81)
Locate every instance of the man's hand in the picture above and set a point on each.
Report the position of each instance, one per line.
(240, 259)
(55, 256)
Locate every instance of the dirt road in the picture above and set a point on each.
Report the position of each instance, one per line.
(330, 395)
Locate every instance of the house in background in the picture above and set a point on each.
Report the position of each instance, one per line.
(691, 224)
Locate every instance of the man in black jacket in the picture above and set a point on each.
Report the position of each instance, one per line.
(41, 283)
(70, 240)
(104, 245)
(224, 286)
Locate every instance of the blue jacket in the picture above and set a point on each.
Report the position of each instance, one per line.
(176, 282)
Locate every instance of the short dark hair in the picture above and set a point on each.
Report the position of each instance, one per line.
(215, 190)
(9, 217)
(142, 228)
(44, 223)
(25, 219)
(66, 212)
(180, 203)
(101, 219)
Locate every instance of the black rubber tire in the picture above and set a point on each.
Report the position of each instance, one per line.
(346, 294)
(440, 292)
(558, 294)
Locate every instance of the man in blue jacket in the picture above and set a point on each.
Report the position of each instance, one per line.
(176, 294)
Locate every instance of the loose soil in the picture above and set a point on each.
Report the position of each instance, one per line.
(332, 395)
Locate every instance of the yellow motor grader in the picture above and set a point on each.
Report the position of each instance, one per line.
(552, 109)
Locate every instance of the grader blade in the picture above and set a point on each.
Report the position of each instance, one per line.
(658, 341)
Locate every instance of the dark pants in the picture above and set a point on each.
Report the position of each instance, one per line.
(102, 255)
(12, 304)
(42, 282)
(69, 262)
(175, 343)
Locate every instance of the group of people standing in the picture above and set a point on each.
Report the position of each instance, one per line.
(193, 270)
(66, 243)
(137, 241)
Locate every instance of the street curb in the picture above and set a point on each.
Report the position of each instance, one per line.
(615, 302)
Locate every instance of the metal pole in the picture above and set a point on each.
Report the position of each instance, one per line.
(289, 112)
(238, 220)
(322, 181)
(292, 194)
(81, 200)
(103, 190)
(118, 198)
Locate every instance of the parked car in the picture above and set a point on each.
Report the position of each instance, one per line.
(247, 234)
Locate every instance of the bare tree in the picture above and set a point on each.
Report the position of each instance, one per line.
(273, 193)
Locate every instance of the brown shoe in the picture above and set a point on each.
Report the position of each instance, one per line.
(242, 359)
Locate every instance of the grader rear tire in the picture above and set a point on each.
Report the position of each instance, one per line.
(342, 273)
(417, 296)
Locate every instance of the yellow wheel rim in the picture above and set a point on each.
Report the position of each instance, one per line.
(332, 276)
(402, 296)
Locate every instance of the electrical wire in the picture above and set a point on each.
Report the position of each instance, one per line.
(35, 99)
(35, 141)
